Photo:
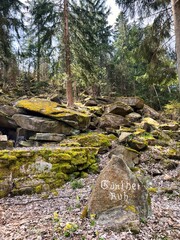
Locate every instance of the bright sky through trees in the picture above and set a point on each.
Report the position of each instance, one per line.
(114, 11)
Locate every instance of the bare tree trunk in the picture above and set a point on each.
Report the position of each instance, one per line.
(176, 15)
(38, 56)
(69, 88)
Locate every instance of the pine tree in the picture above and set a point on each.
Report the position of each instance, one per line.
(10, 23)
(161, 12)
(90, 42)
(41, 31)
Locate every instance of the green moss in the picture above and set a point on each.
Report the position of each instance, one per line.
(131, 208)
(53, 109)
(22, 191)
(69, 143)
(92, 139)
(56, 157)
(84, 174)
(84, 212)
(4, 172)
(3, 193)
(65, 164)
(8, 157)
(152, 190)
(64, 167)
(138, 144)
(61, 175)
(132, 150)
(94, 168)
(38, 189)
(58, 183)
(149, 200)
(135, 169)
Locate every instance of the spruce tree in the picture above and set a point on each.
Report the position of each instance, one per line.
(90, 42)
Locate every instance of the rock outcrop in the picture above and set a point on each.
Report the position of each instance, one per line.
(54, 110)
(118, 199)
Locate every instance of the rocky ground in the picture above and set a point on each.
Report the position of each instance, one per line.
(59, 214)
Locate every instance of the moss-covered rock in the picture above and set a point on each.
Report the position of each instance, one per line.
(33, 171)
(92, 139)
(79, 120)
(138, 145)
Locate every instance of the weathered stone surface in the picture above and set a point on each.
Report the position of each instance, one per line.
(119, 108)
(149, 124)
(41, 124)
(90, 102)
(3, 138)
(5, 143)
(24, 171)
(54, 137)
(54, 110)
(138, 144)
(150, 112)
(134, 102)
(124, 136)
(173, 134)
(133, 117)
(118, 199)
(169, 126)
(112, 121)
(128, 155)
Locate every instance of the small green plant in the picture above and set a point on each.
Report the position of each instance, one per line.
(143, 220)
(69, 229)
(92, 220)
(77, 184)
(57, 223)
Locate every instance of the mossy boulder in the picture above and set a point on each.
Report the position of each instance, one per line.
(28, 171)
(93, 139)
(149, 124)
(79, 120)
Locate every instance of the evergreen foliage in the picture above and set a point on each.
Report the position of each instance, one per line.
(90, 42)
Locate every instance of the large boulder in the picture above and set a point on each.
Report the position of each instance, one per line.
(118, 199)
(54, 110)
(41, 124)
(112, 121)
(119, 108)
(134, 102)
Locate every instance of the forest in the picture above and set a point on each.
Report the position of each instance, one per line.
(41, 49)
(89, 120)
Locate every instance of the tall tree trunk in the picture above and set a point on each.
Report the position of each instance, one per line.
(176, 15)
(69, 88)
(38, 55)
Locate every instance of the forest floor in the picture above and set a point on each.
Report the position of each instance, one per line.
(43, 217)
